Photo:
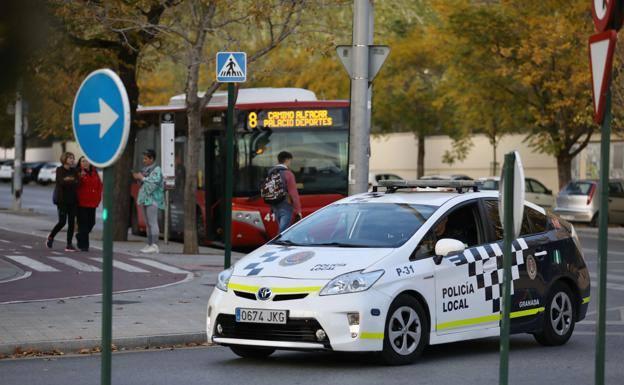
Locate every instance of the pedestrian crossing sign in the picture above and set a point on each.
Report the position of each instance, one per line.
(231, 67)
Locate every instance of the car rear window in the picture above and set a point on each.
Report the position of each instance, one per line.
(578, 188)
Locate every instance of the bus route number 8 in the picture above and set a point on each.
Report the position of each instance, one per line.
(252, 120)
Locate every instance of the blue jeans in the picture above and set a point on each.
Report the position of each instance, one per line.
(283, 214)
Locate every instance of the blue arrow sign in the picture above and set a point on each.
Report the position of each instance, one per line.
(231, 67)
(101, 117)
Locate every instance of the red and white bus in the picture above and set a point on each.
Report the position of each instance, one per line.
(267, 121)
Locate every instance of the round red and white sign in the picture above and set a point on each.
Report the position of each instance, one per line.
(607, 15)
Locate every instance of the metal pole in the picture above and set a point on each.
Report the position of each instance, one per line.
(359, 132)
(229, 150)
(17, 154)
(603, 220)
(167, 213)
(507, 242)
(107, 276)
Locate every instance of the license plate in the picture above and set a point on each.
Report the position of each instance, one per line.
(262, 316)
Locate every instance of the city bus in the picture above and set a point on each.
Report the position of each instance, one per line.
(267, 121)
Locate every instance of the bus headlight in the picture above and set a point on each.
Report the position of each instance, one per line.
(224, 278)
(353, 282)
(252, 218)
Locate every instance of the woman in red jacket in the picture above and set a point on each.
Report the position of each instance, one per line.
(89, 197)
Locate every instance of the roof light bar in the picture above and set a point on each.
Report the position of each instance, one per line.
(459, 185)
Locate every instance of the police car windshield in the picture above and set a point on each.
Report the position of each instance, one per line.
(359, 225)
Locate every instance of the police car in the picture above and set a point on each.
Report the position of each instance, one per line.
(395, 271)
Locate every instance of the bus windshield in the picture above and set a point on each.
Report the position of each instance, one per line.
(319, 160)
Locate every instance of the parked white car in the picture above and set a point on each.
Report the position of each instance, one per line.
(535, 191)
(48, 173)
(6, 171)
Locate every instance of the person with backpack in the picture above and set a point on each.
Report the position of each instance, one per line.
(66, 200)
(89, 197)
(279, 189)
(150, 198)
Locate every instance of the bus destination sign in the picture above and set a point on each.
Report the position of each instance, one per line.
(290, 118)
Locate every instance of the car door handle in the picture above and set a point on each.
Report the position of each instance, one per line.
(541, 254)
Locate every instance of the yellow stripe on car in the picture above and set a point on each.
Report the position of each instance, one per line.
(586, 300)
(487, 318)
(276, 290)
(371, 336)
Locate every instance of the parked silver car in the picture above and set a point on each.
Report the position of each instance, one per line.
(534, 191)
(579, 201)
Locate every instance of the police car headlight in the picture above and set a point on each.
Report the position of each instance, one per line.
(224, 278)
(353, 282)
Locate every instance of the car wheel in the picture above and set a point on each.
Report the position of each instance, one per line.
(406, 333)
(251, 351)
(559, 317)
(594, 220)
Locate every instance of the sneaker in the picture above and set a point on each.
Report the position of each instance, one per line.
(151, 249)
(70, 248)
(85, 250)
(156, 249)
(146, 249)
(49, 242)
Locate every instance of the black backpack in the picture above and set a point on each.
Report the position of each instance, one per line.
(273, 187)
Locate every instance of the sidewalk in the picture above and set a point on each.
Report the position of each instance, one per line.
(152, 317)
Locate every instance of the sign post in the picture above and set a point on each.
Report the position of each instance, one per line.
(511, 210)
(608, 18)
(167, 162)
(231, 68)
(101, 122)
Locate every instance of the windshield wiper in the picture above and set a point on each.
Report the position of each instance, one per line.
(337, 244)
(284, 242)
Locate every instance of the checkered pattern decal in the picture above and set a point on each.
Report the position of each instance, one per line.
(491, 282)
(255, 268)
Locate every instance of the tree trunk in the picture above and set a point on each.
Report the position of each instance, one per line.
(494, 163)
(191, 158)
(122, 207)
(564, 169)
(420, 167)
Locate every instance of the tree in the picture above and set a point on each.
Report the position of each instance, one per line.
(222, 21)
(123, 29)
(536, 53)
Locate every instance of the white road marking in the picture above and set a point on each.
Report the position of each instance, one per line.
(27, 247)
(76, 264)
(4, 241)
(123, 266)
(57, 253)
(160, 266)
(31, 263)
(610, 277)
(608, 251)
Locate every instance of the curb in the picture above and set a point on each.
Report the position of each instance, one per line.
(74, 346)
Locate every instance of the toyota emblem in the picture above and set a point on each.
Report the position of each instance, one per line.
(264, 293)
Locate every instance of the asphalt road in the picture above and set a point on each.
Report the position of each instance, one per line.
(53, 274)
(39, 199)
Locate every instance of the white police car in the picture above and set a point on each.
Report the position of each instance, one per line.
(394, 271)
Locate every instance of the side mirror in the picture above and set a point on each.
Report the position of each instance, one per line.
(445, 247)
(548, 192)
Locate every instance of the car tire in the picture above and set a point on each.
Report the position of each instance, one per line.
(251, 351)
(594, 220)
(406, 332)
(559, 316)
